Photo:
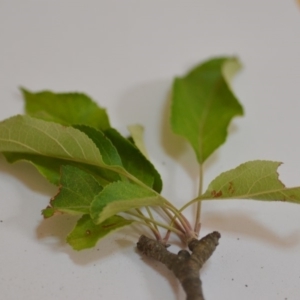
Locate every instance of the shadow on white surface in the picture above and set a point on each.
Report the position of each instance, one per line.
(242, 223)
(165, 274)
(152, 100)
(27, 175)
(52, 233)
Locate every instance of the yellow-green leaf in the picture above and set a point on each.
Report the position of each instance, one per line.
(120, 197)
(24, 134)
(137, 135)
(252, 180)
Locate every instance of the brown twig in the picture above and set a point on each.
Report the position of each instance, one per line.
(185, 265)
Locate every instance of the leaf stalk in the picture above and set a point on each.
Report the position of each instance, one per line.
(199, 203)
(155, 222)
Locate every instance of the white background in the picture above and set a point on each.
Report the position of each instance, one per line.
(124, 54)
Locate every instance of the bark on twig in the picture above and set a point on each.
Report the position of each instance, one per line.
(185, 265)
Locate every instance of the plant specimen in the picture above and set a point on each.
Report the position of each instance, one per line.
(108, 181)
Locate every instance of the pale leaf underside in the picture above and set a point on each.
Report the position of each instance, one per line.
(24, 134)
(137, 134)
(256, 180)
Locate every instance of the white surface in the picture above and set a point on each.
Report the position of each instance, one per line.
(125, 54)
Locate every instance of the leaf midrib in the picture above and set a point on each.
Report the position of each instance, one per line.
(202, 122)
(245, 196)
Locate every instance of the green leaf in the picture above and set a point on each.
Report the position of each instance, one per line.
(203, 105)
(50, 167)
(65, 108)
(77, 191)
(110, 155)
(256, 180)
(120, 197)
(134, 161)
(29, 136)
(86, 233)
(49, 145)
(23, 134)
(122, 156)
(137, 135)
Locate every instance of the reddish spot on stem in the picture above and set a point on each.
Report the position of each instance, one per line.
(216, 194)
(87, 232)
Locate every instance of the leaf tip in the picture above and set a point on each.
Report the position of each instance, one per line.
(24, 91)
